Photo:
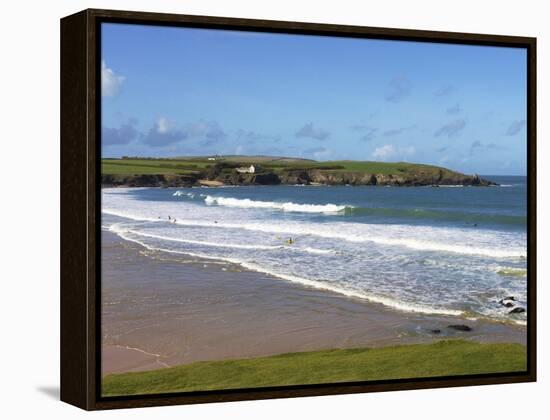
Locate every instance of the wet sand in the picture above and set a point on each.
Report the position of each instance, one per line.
(160, 310)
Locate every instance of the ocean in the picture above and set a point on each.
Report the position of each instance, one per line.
(436, 250)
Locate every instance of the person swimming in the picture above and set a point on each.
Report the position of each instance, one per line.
(290, 241)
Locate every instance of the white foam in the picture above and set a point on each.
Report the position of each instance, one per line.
(128, 215)
(392, 303)
(316, 250)
(288, 206)
(383, 263)
(117, 228)
(444, 247)
(182, 193)
(357, 233)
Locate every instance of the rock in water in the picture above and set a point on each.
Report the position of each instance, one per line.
(460, 327)
(517, 310)
(507, 301)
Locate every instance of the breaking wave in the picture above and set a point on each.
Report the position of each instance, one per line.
(288, 206)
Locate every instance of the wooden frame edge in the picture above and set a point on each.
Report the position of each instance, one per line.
(73, 239)
(80, 115)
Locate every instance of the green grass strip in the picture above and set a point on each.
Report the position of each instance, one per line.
(442, 358)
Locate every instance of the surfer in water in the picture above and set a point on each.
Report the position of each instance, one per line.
(290, 241)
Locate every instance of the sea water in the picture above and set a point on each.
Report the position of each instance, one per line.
(435, 250)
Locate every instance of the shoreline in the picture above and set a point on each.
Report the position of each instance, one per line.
(160, 310)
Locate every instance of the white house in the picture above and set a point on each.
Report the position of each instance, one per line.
(211, 158)
(244, 170)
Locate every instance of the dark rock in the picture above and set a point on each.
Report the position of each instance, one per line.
(476, 180)
(517, 310)
(460, 327)
(507, 301)
(297, 176)
(148, 180)
(330, 175)
(435, 331)
(267, 178)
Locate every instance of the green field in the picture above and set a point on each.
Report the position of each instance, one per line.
(191, 165)
(443, 358)
(150, 166)
(385, 168)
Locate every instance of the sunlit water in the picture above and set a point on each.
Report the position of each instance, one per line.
(454, 251)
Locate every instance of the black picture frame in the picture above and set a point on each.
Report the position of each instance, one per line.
(80, 206)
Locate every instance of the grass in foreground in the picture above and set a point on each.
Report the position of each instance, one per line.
(443, 358)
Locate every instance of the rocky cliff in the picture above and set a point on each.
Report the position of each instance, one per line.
(229, 176)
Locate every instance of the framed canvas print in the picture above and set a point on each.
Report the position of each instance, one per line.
(260, 209)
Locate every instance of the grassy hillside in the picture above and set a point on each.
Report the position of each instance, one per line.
(456, 357)
(179, 166)
(150, 166)
(386, 168)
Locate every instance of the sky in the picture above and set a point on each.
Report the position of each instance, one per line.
(169, 91)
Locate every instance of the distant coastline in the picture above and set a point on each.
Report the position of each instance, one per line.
(266, 170)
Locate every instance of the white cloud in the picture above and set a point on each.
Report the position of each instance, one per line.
(389, 152)
(164, 133)
(383, 152)
(110, 81)
(164, 125)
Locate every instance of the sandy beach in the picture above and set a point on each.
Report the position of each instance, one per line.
(160, 310)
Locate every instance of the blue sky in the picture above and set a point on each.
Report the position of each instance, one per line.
(178, 91)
